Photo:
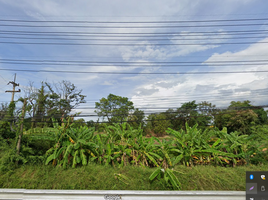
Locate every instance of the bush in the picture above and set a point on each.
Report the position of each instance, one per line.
(158, 124)
(5, 131)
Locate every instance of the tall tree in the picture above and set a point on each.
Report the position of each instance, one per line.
(206, 111)
(187, 113)
(245, 105)
(240, 116)
(114, 108)
(158, 124)
(62, 98)
(192, 113)
(51, 100)
(41, 104)
(136, 118)
(7, 118)
(175, 121)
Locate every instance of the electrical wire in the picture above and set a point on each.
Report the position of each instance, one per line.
(261, 31)
(130, 40)
(146, 120)
(164, 99)
(131, 66)
(126, 27)
(134, 44)
(169, 21)
(132, 62)
(116, 35)
(131, 73)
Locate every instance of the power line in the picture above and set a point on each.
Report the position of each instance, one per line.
(165, 99)
(170, 21)
(116, 35)
(223, 95)
(142, 57)
(130, 73)
(134, 44)
(133, 64)
(120, 65)
(130, 40)
(232, 110)
(129, 66)
(262, 31)
(139, 27)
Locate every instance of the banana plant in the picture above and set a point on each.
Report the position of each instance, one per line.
(122, 178)
(59, 137)
(122, 132)
(165, 150)
(168, 175)
(73, 148)
(145, 151)
(98, 153)
(188, 145)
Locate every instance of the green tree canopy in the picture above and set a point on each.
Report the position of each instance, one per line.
(51, 100)
(244, 105)
(7, 118)
(114, 108)
(136, 118)
(158, 123)
(240, 116)
(63, 97)
(192, 113)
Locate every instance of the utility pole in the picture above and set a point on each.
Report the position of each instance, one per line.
(14, 87)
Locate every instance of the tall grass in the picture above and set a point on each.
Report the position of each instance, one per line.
(100, 177)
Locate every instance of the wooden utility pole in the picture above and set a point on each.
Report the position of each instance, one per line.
(14, 87)
(21, 126)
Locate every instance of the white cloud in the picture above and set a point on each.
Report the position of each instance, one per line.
(219, 88)
(176, 88)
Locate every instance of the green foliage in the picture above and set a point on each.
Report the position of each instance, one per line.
(168, 176)
(192, 113)
(91, 123)
(63, 97)
(122, 178)
(121, 145)
(158, 124)
(136, 119)
(9, 156)
(6, 117)
(114, 108)
(240, 116)
(189, 144)
(51, 100)
(240, 120)
(258, 145)
(5, 131)
(39, 139)
(78, 123)
(218, 147)
(72, 147)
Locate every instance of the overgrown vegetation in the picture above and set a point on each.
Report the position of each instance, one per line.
(122, 146)
(101, 177)
(194, 135)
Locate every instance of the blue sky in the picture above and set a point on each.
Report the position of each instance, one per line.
(145, 90)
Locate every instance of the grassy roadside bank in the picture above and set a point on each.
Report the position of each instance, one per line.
(98, 177)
